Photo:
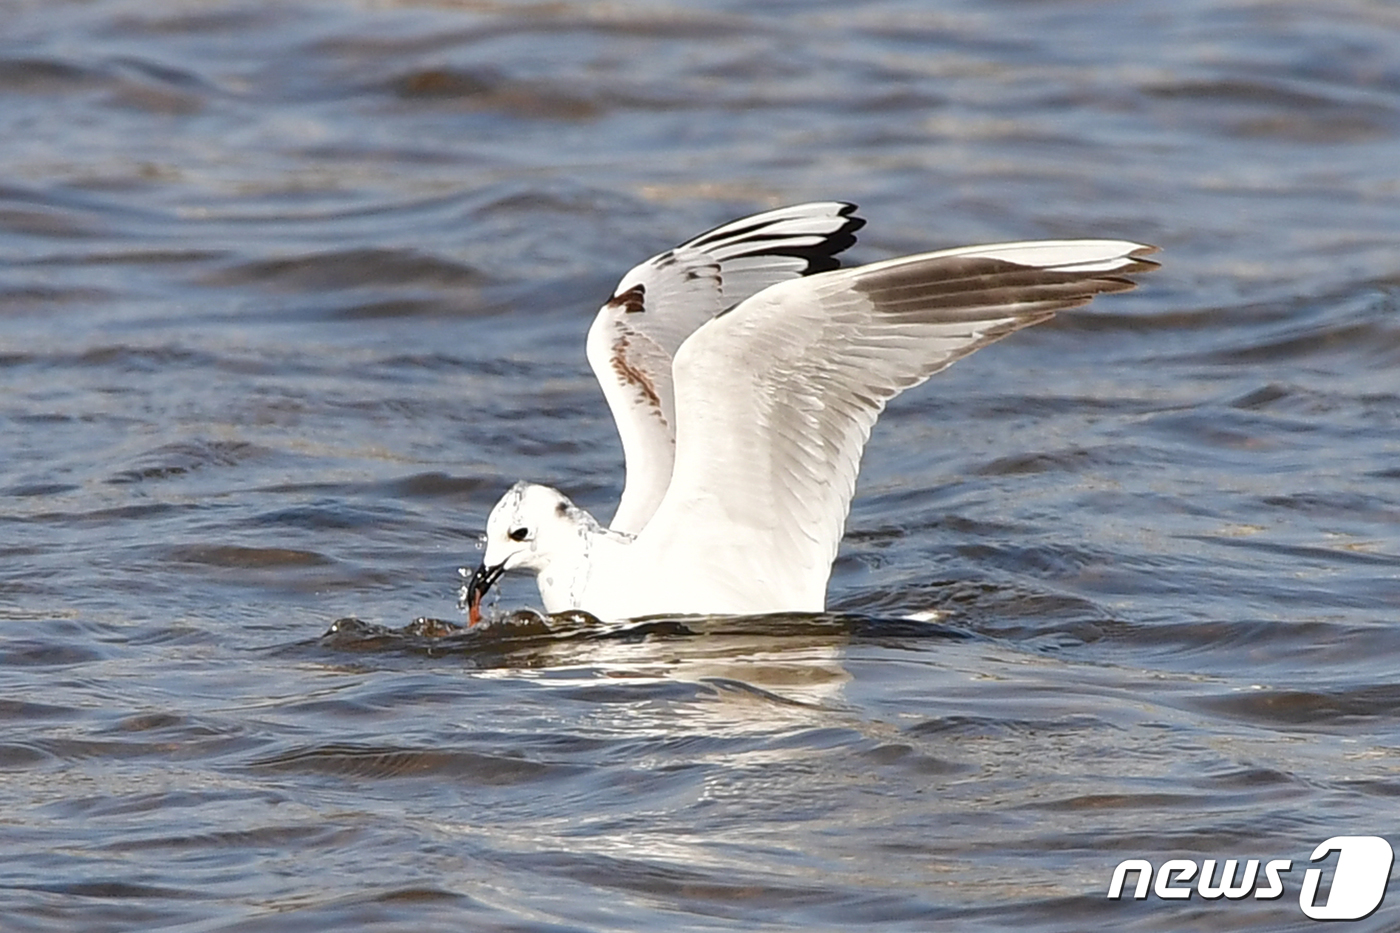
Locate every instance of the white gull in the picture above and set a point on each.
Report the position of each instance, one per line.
(745, 370)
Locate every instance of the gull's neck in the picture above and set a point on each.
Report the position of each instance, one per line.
(563, 581)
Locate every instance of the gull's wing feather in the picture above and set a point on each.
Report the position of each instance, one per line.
(775, 399)
(661, 302)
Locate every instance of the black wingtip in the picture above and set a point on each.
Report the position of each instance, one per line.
(821, 256)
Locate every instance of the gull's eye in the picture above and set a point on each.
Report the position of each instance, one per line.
(519, 534)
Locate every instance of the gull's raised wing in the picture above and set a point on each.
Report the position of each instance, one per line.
(661, 302)
(775, 400)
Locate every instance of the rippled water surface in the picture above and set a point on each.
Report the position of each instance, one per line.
(289, 294)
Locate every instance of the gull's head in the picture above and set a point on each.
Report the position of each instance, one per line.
(530, 528)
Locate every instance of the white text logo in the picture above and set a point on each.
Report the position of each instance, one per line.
(1358, 880)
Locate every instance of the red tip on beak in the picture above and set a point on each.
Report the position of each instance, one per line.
(476, 588)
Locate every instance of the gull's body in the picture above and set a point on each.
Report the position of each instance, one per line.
(745, 372)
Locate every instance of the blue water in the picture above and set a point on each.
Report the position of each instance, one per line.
(290, 293)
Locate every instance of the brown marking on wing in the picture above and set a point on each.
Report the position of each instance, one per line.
(632, 301)
(632, 375)
(956, 288)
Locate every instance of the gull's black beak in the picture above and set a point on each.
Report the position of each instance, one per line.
(476, 588)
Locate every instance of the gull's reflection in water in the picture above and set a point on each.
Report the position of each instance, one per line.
(771, 661)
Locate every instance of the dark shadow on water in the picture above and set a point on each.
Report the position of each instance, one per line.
(518, 636)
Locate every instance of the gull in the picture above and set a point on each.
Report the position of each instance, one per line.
(745, 369)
